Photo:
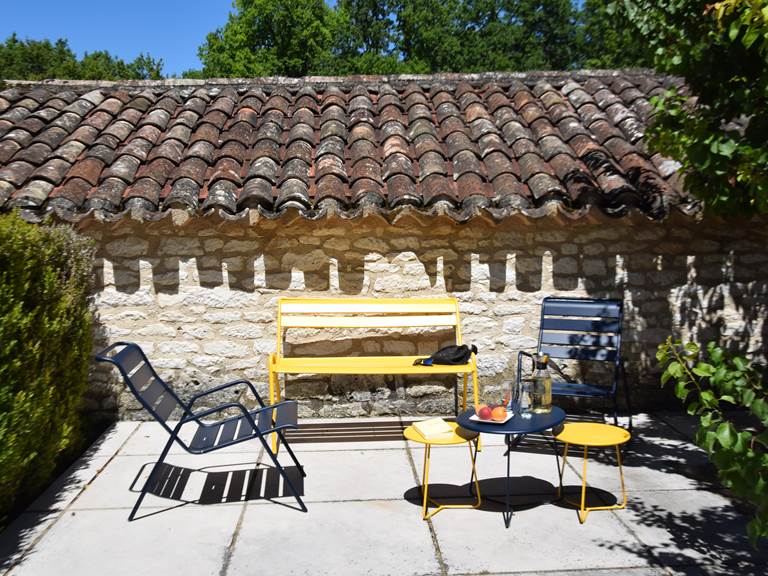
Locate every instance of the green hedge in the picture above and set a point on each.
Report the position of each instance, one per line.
(45, 344)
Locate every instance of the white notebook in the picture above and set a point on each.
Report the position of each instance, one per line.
(434, 429)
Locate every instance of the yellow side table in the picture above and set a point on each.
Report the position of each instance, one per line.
(460, 436)
(589, 435)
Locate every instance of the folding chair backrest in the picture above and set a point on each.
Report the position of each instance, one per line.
(155, 395)
(581, 329)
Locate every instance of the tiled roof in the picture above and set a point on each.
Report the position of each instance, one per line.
(459, 144)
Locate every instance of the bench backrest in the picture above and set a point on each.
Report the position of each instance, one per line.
(581, 329)
(367, 313)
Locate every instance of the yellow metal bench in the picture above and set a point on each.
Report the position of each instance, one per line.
(370, 313)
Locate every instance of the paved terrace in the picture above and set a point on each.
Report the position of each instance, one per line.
(220, 517)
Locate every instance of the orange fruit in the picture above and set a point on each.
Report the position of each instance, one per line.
(499, 413)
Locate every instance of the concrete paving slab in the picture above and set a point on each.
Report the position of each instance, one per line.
(372, 538)
(540, 539)
(354, 474)
(693, 527)
(189, 541)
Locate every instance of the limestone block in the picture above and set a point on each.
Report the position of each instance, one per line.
(221, 317)
(516, 341)
(180, 246)
(157, 330)
(115, 298)
(196, 332)
(594, 267)
(213, 244)
(336, 244)
(243, 330)
(170, 362)
(176, 316)
(122, 316)
(372, 245)
(130, 247)
(513, 325)
(226, 348)
(247, 246)
(419, 391)
(492, 364)
(117, 332)
(396, 284)
(174, 347)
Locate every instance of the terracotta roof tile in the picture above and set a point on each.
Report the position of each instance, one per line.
(495, 142)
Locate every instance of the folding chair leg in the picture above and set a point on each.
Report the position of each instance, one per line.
(626, 394)
(151, 479)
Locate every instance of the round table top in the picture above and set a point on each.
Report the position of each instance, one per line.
(459, 436)
(515, 425)
(593, 434)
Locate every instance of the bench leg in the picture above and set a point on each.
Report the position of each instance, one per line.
(464, 401)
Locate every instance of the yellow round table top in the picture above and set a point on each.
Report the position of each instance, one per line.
(593, 434)
(460, 435)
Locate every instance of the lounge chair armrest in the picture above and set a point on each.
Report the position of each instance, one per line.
(195, 416)
(221, 387)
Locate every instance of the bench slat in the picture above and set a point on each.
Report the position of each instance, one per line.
(367, 306)
(291, 321)
(363, 365)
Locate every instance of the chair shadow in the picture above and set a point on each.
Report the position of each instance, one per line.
(219, 484)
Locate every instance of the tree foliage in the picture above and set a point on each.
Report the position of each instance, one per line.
(40, 59)
(299, 37)
(710, 385)
(721, 137)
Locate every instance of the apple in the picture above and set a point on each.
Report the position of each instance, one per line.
(484, 413)
(499, 413)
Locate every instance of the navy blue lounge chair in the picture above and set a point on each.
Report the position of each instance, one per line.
(582, 329)
(159, 399)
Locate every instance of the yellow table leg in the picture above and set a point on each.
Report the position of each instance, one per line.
(584, 510)
(426, 500)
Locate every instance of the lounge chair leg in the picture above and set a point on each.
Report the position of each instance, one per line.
(282, 473)
(290, 452)
(151, 479)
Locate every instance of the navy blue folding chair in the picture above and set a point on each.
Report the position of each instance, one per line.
(159, 399)
(584, 329)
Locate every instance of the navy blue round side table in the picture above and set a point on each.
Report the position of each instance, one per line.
(514, 430)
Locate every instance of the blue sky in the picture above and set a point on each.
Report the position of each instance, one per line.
(167, 29)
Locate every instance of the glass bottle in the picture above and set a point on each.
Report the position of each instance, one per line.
(541, 396)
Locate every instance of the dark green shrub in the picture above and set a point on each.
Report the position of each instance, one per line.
(45, 344)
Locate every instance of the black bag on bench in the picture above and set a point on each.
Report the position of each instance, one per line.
(451, 355)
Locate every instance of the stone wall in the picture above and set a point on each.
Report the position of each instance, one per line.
(199, 295)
